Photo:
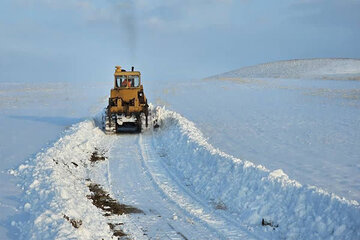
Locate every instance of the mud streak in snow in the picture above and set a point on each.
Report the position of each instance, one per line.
(101, 199)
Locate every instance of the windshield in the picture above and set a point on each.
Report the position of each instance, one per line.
(134, 80)
(127, 81)
(120, 81)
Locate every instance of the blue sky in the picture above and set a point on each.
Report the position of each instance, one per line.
(69, 40)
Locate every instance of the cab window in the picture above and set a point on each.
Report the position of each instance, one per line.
(120, 81)
(134, 81)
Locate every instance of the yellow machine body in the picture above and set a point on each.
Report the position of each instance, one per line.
(127, 100)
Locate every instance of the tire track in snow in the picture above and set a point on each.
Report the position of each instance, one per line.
(132, 184)
(173, 189)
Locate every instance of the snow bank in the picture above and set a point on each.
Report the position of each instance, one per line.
(56, 188)
(252, 193)
(338, 69)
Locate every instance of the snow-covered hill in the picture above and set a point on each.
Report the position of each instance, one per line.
(327, 68)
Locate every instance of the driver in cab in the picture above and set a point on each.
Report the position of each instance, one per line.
(126, 83)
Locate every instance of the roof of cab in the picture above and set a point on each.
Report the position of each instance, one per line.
(119, 72)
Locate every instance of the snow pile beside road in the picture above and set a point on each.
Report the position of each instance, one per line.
(252, 193)
(328, 68)
(56, 188)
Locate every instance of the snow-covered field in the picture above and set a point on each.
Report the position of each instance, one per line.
(230, 156)
(310, 128)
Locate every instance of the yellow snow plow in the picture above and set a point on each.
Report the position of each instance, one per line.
(128, 108)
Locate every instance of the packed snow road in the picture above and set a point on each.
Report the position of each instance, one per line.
(169, 183)
(138, 177)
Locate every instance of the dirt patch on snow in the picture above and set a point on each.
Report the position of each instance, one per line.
(75, 223)
(269, 223)
(97, 156)
(101, 199)
(115, 228)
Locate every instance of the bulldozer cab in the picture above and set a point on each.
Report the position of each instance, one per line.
(125, 79)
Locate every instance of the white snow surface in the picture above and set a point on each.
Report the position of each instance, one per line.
(172, 172)
(308, 128)
(33, 117)
(253, 192)
(55, 187)
(322, 68)
(288, 129)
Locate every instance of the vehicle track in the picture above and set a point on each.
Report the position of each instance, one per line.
(197, 208)
(137, 175)
(131, 183)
